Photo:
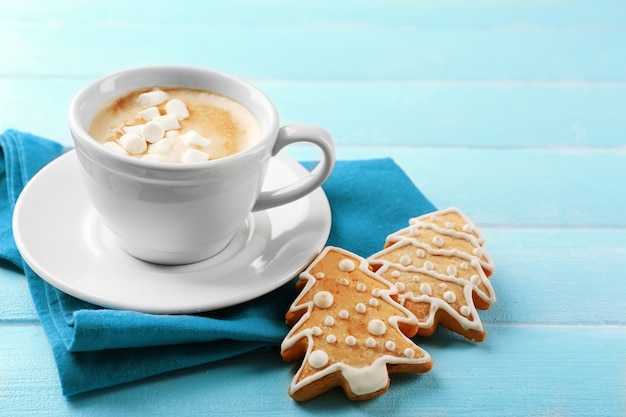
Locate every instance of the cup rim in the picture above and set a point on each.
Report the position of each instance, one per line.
(80, 133)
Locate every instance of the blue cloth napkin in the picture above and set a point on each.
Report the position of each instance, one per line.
(96, 347)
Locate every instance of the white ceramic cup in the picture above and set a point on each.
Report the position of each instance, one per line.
(176, 213)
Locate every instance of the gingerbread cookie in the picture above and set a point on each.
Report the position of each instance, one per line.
(350, 330)
(441, 271)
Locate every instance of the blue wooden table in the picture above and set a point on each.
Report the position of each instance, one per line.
(514, 111)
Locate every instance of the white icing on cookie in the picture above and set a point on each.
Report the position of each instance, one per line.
(323, 299)
(426, 289)
(462, 231)
(318, 359)
(376, 327)
(347, 265)
(449, 296)
(452, 253)
(438, 241)
(362, 380)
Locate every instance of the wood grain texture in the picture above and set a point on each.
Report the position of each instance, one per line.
(518, 370)
(512, 111)
(538, 272)
(389, 113)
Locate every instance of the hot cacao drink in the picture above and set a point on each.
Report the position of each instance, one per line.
(175, 125)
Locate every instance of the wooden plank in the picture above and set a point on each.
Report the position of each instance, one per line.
(548, 188)
(424, 14)
(442, 114)
(389, 113)
(16, 305)
(517, 369)
(569, 277)
(542, 276)
(319, 53)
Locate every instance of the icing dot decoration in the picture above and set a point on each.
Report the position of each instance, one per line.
(405, 260)
(344, 281)
(390, 345)
(464, 266)
(415, 278)
(420, 253)
(438, 241)
(376, 292)
(467, 228)
(347, 265)
(395, 273)
(409, 353)
(318, 359)
(449, 296)
(414, 231)
(329, 321)
(373, 302)
(452, 270)
(475, 279)
(370, 342)
(465, 310)
(376, 327)
(360, 287)
(344, 314)
(323, 299)
(320, 275)
(360, 308)
(450, 225)
(316, 331)
(400, 286)
(350, 340)
(331, 338)
(426, 289)
(429, 265)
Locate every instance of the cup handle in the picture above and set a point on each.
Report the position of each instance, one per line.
(300, 133)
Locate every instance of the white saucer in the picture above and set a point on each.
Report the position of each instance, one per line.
(62, 239)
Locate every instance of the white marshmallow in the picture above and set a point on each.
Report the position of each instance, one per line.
(177, 108)
(133, 143)
(152, 98)
(152, 132)
(163, 146)
(149, 113)
(194, 155)
(194, 138)
(168, 121)
(171, 134)
(133, 129)
(114, 147)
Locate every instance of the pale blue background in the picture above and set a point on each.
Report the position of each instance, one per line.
(514, 111)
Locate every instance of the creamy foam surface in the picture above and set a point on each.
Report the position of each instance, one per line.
(216, 126)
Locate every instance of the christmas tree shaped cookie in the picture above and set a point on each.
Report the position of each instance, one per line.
(441, 271)
(349, 329)
(448, 230)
